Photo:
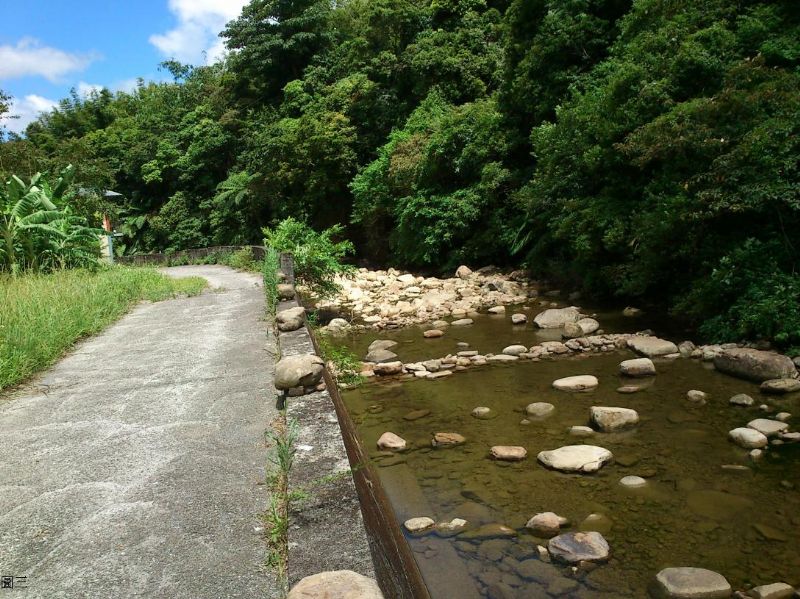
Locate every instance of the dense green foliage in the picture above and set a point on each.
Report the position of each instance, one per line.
(44, 314)
(318, 257)
(38, 228)
(641, 148)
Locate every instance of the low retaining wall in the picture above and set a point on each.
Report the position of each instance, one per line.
(190, 255)
(343, 520)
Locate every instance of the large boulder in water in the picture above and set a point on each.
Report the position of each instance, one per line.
(555, 318)
(754, 364)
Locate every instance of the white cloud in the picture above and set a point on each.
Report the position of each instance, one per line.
(26, 110)
(86, 89)
(30, 57)
(199, 23)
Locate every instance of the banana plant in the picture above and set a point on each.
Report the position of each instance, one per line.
(38, 229)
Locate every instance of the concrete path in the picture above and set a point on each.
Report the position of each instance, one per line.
(135, 467)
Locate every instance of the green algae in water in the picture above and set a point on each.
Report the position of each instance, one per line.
(691, 512)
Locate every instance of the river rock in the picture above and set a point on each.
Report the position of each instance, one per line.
(575, 547)
(462, 272)
(285, 291)
(298, 371)
(419, 524)
(338, 324)
(497, 310)
(583, 382)
(432, 334)
(381, 344)
(770, 428)
(391, 442)
(515, 350)
(748, 438)
(632, 482)
(519, 318)
(502, 358)
(555, 318)
(690, 583)
(596, 522)
(483, 413)
(631, 312)
(546, 524)
(576, 458)
(290, 319)
(462, 322)
(753, 364)
(780, 386)
(416, 415)
(452, 526)
(388, 368)
(609, 419)
(581, 431)
(741, 399)
(339, 584)
(379, 356)
(447, 439)
(572, 330)
(628, 389)
(588, 325)
(638, 367)
(432, 365)
(539, 409)
(509, 453)
(776, 590)
(651, 346)
(696, 396)
(686, 349)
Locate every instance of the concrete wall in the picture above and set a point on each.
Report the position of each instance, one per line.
(346, 521)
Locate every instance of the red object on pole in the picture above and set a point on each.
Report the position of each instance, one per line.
(107, 223)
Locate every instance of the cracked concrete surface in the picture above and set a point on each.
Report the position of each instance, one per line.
(135, 467)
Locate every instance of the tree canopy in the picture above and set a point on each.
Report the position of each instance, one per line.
(643, 149)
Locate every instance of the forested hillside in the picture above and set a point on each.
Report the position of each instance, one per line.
(645, 149)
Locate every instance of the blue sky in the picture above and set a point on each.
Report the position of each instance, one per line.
(49, 47)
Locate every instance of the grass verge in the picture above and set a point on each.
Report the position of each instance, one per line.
(42, 315)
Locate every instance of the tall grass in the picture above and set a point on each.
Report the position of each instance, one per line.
(42, 315)
(270, 266)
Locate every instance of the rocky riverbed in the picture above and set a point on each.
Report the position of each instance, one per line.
(582, 458)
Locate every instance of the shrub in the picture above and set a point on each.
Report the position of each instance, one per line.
(317, 257)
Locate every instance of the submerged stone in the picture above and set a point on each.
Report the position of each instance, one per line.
(509, 453)
(539, 409)
(574, 547)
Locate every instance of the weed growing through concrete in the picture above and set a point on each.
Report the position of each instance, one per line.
(346, 368)
(283, 438)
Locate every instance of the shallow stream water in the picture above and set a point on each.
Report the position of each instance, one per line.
(706, 503)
